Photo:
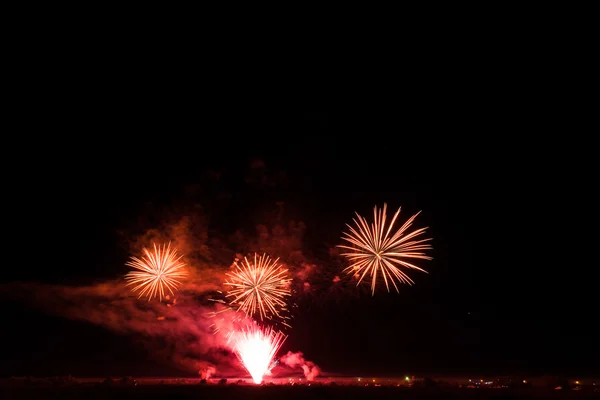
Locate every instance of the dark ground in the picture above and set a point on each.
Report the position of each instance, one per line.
(96, 391)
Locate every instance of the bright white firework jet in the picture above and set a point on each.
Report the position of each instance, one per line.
(256, 347)
(374, 251)
(259, 287)
(160, 270)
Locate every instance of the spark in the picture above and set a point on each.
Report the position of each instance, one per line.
(159, 271)
(374, 250)
(259, 287)
(226, 319)
(256, 347)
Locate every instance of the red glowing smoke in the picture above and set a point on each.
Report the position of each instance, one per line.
(179, 330)
(295, 360)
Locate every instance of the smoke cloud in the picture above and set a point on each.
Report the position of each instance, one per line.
(179, 329)
(206, 370)
(295, 360)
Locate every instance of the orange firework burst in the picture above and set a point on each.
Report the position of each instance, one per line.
(374, 250)
(259, 287)
(158, 271)
(256, 348)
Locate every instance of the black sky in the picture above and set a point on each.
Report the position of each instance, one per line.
(511, 289)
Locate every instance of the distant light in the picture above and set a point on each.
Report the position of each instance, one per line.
(359, 379)
(577, 382)
(407, 378)
(524, 381)
(481, 380)
(373, 380)
(469, 380)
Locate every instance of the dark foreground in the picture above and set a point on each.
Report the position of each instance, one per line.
(285, 392)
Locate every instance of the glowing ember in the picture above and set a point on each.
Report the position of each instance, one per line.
(259, 287)
(256, 348)
(159, 270)
(374, 250)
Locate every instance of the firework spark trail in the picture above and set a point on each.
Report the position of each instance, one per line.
(259, 287)
(226, 319)
(374, 250)
(256, 347)
(159, 270)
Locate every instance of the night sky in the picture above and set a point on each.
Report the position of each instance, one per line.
(512, 288)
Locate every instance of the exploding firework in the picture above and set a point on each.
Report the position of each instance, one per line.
(256, 347)
(374, 250)
(159, 270)
(259, 287)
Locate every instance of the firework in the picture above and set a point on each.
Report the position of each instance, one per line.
(226, 319)
(158, 271)
(374, 251)
(256, 347)
(259, 287)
